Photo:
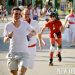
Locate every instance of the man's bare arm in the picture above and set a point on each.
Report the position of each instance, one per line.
(6, 38)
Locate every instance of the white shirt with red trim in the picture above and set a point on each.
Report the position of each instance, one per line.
(70, 18)
(33, 39)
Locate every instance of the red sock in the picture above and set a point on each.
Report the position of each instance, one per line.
(51, 55)
(59, 52)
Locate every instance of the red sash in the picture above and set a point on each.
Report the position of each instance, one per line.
(32, 45)
(71, 22)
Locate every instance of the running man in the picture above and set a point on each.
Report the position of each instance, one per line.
(16, 33)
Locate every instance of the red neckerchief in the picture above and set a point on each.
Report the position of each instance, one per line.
(28, 21)
(71, 15)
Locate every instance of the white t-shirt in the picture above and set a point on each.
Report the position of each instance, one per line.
(19, 42)
(35, 26)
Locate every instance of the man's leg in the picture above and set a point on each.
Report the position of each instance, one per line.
(13, 72)
(59, 53)
(13, 66)
(23, 64)
(51, 59)
(52, 48)
(22, 70)
(59, 47)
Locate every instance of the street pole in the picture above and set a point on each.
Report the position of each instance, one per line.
(33, 2)
(56, 8)
(17, 2)
(55, 5)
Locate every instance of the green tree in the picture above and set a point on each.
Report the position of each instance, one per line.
(0, 2)
(71, 0)
(10, 2)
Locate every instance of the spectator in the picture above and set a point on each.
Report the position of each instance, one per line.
(29, 6)
(35, 13)
(4, 14)
(70, 23)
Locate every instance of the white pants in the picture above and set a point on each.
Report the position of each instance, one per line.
(69, 34)
(32, 53)
(72, 34)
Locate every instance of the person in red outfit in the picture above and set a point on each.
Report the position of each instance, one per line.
(56, 28)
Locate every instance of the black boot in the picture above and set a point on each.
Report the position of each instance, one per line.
(51, 62)
(59, 57)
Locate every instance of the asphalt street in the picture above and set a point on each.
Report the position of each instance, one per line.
(41, 67)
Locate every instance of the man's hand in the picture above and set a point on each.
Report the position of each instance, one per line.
(10, 34)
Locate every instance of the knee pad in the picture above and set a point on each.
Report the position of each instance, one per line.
(59, 47)
(52, 48)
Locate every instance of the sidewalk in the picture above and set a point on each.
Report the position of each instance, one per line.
(41, 64)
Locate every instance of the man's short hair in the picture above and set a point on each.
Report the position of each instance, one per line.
(29, 5)
(16, 8)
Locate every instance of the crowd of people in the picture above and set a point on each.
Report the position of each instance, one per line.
(3, 14)
(21, 33)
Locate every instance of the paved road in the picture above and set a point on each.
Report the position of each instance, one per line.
(66, 67)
